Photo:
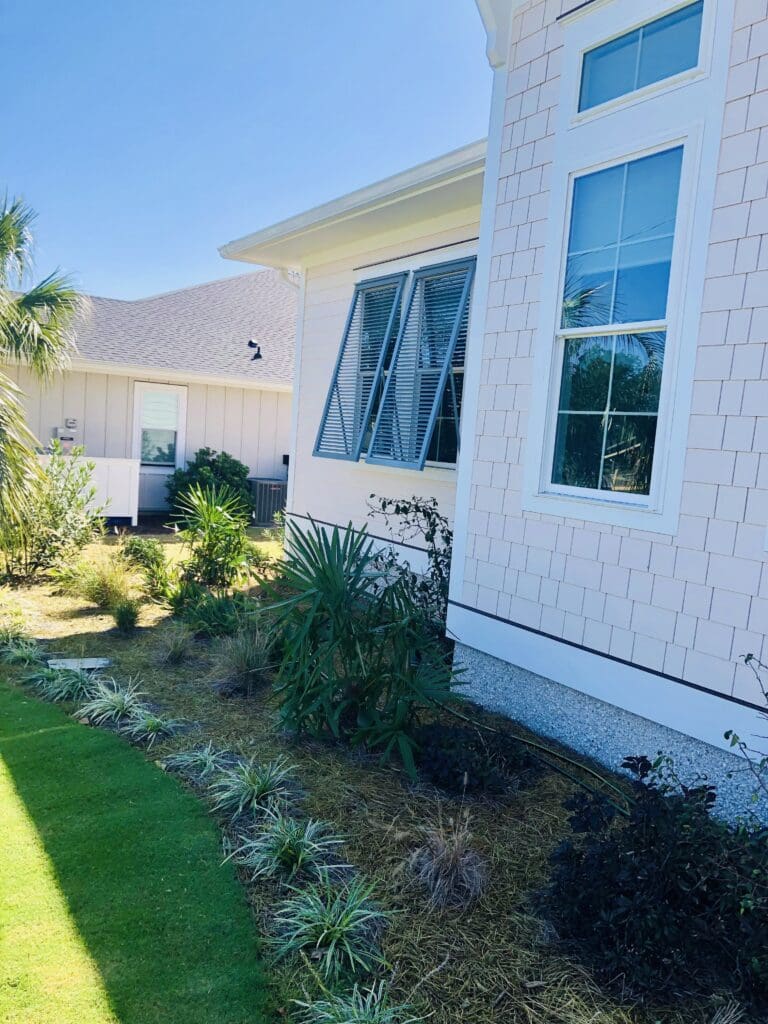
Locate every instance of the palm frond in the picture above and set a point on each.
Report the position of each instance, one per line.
(37, 325)
(18, 464)
(16, 219)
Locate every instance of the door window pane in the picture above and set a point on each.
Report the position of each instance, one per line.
(159, 427)
(607, 413)
(619, 253)
(658, 50)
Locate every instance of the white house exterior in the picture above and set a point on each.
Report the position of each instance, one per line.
(611, 500)
(156, 379)
(425, 218)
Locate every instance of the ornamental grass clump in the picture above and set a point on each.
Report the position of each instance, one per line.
(360, 1006)
(252, 788)
(199, 764)
(146, 727)
(175, 643)
(338, 927)
(110, 702)
(446, 865)
(103, 583)
(17, 649)
(243, 659)
(284, 847)
(62, 684)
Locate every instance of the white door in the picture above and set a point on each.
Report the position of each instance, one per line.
(159, 424)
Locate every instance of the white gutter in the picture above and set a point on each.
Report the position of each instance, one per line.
(451, 166)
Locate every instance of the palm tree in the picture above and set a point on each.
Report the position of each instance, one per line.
(35, 329)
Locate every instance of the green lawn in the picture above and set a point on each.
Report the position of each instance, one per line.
(114, 907)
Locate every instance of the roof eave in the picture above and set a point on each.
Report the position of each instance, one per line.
(264, 247)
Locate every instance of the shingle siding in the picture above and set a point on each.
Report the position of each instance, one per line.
(688, 604)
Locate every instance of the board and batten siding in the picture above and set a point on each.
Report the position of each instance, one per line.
(337, 491)
(251, 424)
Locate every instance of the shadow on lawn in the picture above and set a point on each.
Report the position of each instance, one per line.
(139, 864)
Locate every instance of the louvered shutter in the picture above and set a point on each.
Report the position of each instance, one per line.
(372, 325)
(432, 332)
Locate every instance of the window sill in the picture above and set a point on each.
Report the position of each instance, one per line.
(431, 472)
(608, 513)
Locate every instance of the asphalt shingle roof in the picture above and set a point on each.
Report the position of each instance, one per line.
(203, 330)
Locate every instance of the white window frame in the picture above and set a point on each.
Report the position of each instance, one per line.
(140, 389)
(613, 26)
(637, 126)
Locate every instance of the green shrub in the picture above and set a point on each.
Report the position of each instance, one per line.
(212, 615)
(57, 684)
(58, 517)
(220, 553)
(110, 703)
(103, 583)
(285, 847)
(126, 615)
(148, 556)
(357, 662)
(251, 787)
(338, 926)
(360, 1006)
(672, 904)
(210, 470)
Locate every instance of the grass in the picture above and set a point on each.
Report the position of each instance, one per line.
(494, 963)
(114, 906)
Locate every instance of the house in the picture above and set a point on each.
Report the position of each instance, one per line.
(156, 379)
(599, 317)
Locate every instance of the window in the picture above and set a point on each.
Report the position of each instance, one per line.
(662, 48)
(617, 272)
(159, 417)
(396, 391)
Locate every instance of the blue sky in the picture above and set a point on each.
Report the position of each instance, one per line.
(148, 133)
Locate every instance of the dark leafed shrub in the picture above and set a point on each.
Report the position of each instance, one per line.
(143, 552)
(211, 469)
(460, 759)
(669, 904)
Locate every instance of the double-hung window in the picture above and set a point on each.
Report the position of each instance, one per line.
(613, 324)
(396, 391)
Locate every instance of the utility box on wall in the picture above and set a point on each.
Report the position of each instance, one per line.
(66, 436)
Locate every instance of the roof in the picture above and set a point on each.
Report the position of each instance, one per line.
(199, 332)
(446, 184)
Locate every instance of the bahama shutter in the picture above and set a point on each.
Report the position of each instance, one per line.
(371, 328)
(436, 311)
